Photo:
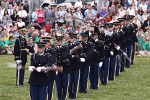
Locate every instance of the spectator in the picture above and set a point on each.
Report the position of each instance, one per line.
(10, 10)
(20, 23)
(16, 7)
(34, 15)
(60, 16)
(48, 27)
(40, 15)
(14, 17)
(78, 3)
(89, 11)
(143, 5)
(1, 11)
(140, 11)
(22, 14)
(136, 21)
(131, 10)
(26, 6)
(9, 45)
(6, 17)
(144, 16)
(69, 17)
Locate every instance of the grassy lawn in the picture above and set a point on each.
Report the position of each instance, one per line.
(134, 84)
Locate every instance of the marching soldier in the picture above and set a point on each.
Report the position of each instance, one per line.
(96, 60)
(62, 60)
(84, 71)
(40, 67)
(75, 60)
(20, 53)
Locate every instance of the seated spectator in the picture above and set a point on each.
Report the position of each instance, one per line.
(9, 45)
(14, 17)
(2, 46)
(23, 14)
(20, 23)
(48, 26)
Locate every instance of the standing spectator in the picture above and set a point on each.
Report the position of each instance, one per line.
(131, 10)
(105, 3)
(78, 3)
(40, 14)
(143, 5)
(78, 17)
(69, 17)
(49, 15)
(60, 16)
(6, 17)
(34, 15)
(10, 10)
(14, 17)
(16, 7)
(89, 11)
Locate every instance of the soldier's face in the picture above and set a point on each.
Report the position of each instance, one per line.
(40, 50)
(59, 42)
(84, 39)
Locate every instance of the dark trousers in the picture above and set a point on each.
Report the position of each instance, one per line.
(84, 72)
(62, 86)
(50, 89)
(94, 76)
(73, 84)
(123, 60)
(129, 55)
(112, 67)
(133, 52)
(20, 74)
(118, 65)
(38, 92)
(104, 70)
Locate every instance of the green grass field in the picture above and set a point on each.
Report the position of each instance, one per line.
(134, 84)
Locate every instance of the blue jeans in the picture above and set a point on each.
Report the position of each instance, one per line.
(62, 86)
(112, 67)
(104, 71)
(94, 76)
(38, 92)
(84, 72)
(50, 89)
(21, 74)
(129, 55)
(73, 84)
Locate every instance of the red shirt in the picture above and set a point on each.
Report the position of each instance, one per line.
(108, 20)
(48, 28)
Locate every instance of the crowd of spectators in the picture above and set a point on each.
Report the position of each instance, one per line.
(46, 21)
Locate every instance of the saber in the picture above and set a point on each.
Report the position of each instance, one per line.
(18, 68)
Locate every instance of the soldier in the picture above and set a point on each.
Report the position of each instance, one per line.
(134, 39)
(62, 60)
(86, 54)
(123, 44)
(75, 60)
(20, 53)
(49, 49)
(97, 58)
(41, 66)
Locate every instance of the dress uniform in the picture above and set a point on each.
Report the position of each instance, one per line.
(62, 60)
(20, 53)
(52, 60)
(38, 80)
(75, 66)
(128, 35)
(84, 71)
(96, 59)
(123, 44)
(134, 39)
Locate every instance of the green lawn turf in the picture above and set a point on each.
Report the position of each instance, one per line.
(134, 84)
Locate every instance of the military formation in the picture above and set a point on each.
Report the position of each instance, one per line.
(101, 53)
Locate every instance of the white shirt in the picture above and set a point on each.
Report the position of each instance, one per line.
(21, 24)
(10, 13)
(131, 11)
(122, 13)
(78, 4)
(2, 12)
(22, 13)
(144, 7)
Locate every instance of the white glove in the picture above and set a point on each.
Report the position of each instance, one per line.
(118, 47)
(27, 50)
(112, 53)
(124, 54)
(82, 59)
(31, 68)
(100, 64)
(55, 67)
(96, 40)
(18, 61)
(39, 69)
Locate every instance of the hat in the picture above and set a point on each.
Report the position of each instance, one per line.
(72, 34)
(96, 30)
(121, 19)
(116, 23)
(46, 39)
(110, 25)
(40, 44)
(85, 34)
